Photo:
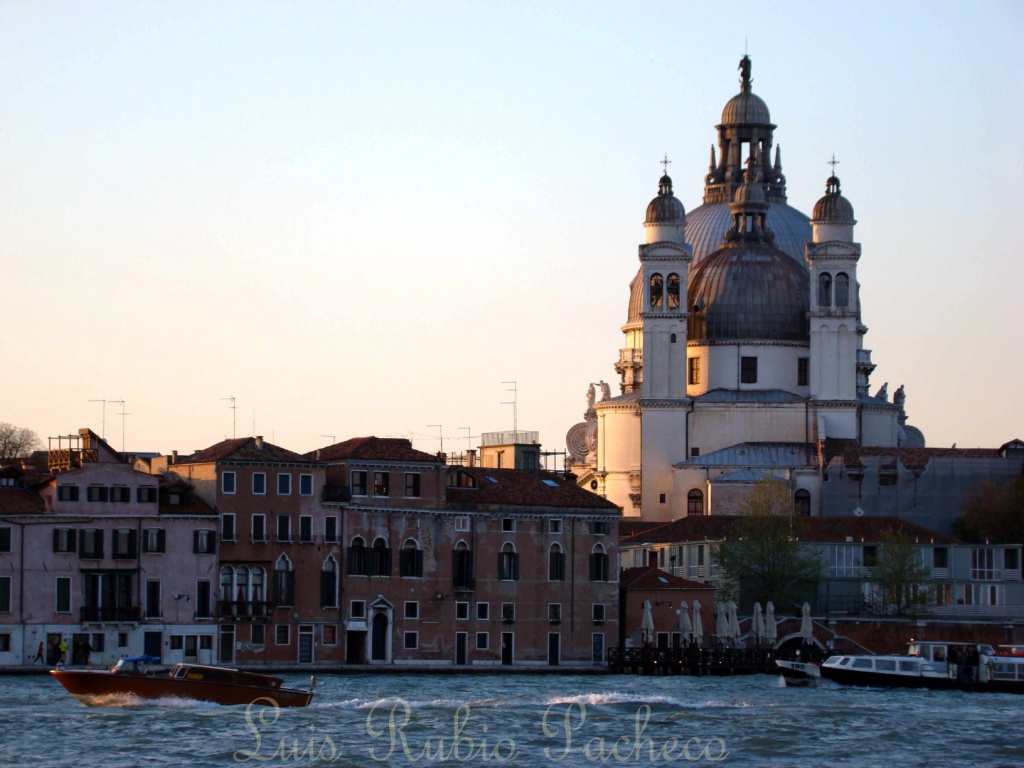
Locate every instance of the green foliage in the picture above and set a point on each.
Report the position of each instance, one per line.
(901, 576)
(993, 513)
(762, 559)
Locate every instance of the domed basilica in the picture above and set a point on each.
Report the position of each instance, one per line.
(743, 344)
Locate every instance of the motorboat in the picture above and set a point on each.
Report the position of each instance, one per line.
(936, 665)
(134, 676)
(798, 673)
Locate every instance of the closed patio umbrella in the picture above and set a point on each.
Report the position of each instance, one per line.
(685, 627)
(771, 632)
(757, 625)
(806, 628)
(733, 619)
(647, 624)
(698, 624)
(721, 622)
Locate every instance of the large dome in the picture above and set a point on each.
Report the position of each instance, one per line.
(746, 108)
(748, 291)
(706, 225)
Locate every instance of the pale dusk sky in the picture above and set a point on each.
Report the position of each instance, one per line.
(362, 218)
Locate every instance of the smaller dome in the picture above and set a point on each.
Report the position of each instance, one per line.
(665, 208)
(751, 192)
(833, 208)
(745, 108)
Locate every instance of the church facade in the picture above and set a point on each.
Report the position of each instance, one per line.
(743, 348)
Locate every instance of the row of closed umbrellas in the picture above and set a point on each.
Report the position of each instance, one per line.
(727, 623)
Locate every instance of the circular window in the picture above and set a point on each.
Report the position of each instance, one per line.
(593, 485)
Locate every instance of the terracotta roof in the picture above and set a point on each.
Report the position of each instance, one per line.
(373, 449)
(655, 578)
(523, 487)
(244, 449)
(630, 526)
(816, 529)
(19, 501)
(851, 453)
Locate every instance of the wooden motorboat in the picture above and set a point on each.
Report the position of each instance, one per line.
(133, 676)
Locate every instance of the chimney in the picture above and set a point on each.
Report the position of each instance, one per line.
(471, 457)
(652, 559)
(318, 454)
(174, 457)
(259, 442)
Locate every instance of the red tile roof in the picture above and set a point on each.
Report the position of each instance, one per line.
(654, 578)
(244, 449)
(631, 526)
(521, 487)
(373, 449)
(816, 529)
(19, 501)
(851, 452)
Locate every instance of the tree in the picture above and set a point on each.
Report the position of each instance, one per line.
(993, 513)
(901, 576)
(17, 442)
(762, 559)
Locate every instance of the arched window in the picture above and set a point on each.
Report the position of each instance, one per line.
(672, 338)
(802, 503)
(357, 560)
(673, 291)
(242, 590)
(329, 583)
(410, 560)
(508, 562)
(227, 581)
(656, 291)
(257, 594)
(599, 563)
(556, 563)
(381, 565)
(462, 566)
(824, 290)
(695, 502)
(284, 582)
(842, 290)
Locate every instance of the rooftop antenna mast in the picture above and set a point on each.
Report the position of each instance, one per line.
(469, 437)
(103, 427)
(440, 433)
(331, 437)
(515, 410)
(123, 414)
(234, 415)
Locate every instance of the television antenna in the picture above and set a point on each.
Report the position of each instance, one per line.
(123, 414)
(514, 402)
(103, 424)
(440, 433)
(234, 415)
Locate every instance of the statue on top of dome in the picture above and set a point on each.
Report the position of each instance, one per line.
(744, 68)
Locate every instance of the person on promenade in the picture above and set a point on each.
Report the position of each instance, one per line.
(63, 648)
(39, 654)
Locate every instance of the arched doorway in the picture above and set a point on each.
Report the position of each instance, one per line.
(379, 637)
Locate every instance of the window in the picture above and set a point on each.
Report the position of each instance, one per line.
(555, 613)
(284, 484)
(330, 634)
(203, 542)
(1011, 560)
(63, 597)
(122, 639)
(462, 566)
(554, 526)
(673, 292)
(410, 560)
(842, 290)
(802, 503)
(359, 482)
(154, 540)
(123, 540)
(693, 376)
(67, 493)
(146, 495)
(695, 502)
(306, 529)
(282, 634)
(870, 556)
(329, 583)
(357, 560)
(656, 291)
(206, 642)
(381, 483)
(556, 563)
(461, 610)
(5, 642)
(412, 485)
(748, 370)
(482, 641)
(483, 611)
(258, 634)
(508, 612)
(803, 376)
(97, 642)
(381, 559)
(98, 493)
(284, 582)
(940, 557)
(64, 540)
(305, 485)
(259, 528)
(204, 602)
(120, 494)
(599, 564)
(357, 609)
(508, 525)
(983, 561)
(5, 539)
(461, 523)
(152, 599)
(227, 526)
(824, 290)
(410, 641)
(5, 594)
(331, 530)
(227, 483)
(508, 563)
(259, 483)
(412, 610)
(694, 452)
(661, 498)
(90, 544)
(597, 647)
(598, 613)
(600, 527)
(284, 528)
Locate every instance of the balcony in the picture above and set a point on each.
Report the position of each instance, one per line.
(244, 609)
(110, 615)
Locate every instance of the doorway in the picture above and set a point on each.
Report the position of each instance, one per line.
(355, 647)
(554, 649)
(227, 644)
(379, 641)
(305, 644)
(152, 644)
(508, 641)
(461, 644)
(191, 648)
(78, 654)
(53, 648)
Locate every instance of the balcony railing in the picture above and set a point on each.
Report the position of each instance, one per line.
(94, 614)
(244, 609)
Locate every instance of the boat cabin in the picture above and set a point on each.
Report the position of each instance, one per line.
(225, 676)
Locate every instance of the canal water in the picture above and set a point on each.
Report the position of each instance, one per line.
(522, 720)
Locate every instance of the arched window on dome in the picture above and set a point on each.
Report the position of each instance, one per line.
(673, 291)
(824, 290)
(802, 503)
(842, 290)
(657, 289)
(695, 502)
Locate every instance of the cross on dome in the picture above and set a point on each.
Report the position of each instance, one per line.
(665, 163)
(833, 162)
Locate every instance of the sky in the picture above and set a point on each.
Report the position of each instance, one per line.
(365, 218)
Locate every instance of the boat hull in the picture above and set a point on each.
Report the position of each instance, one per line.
(99, 688)
(883, 680)
(797, 673)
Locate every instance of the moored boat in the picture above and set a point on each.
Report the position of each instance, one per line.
(799, 672)
(134, 677)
